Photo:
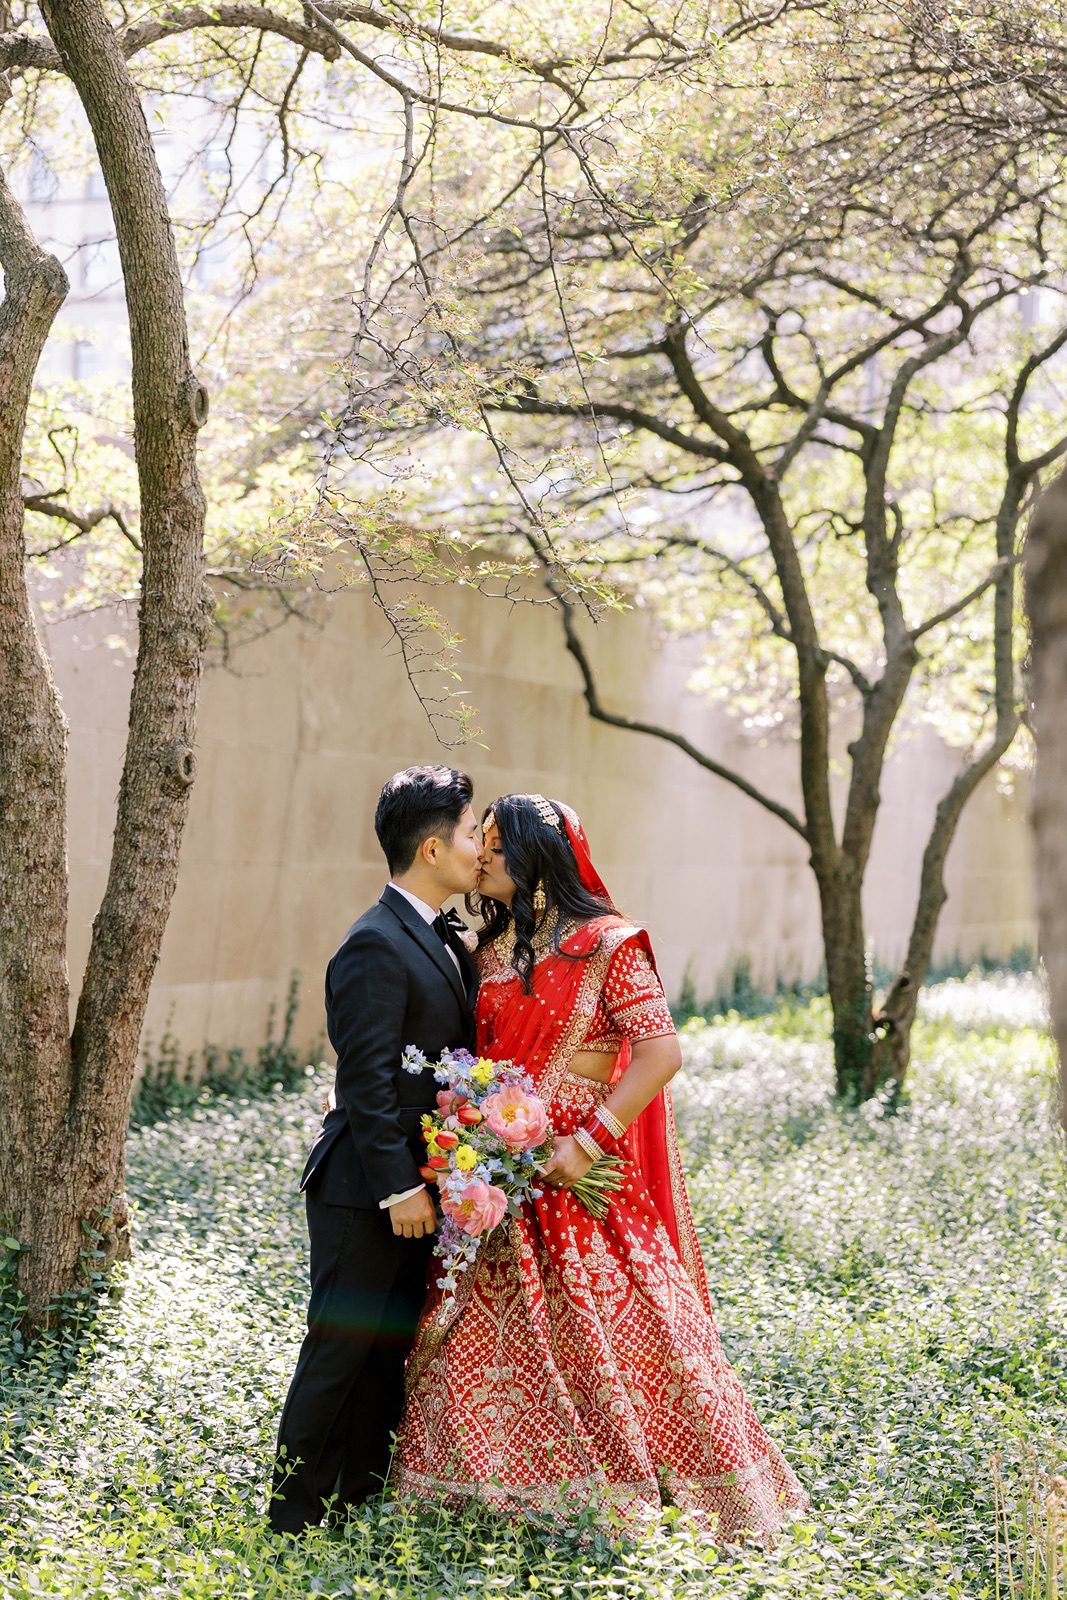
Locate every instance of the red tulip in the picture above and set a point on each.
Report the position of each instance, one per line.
(429, 1173)
(437, 1163)
(470, 1116)
(446, 1139)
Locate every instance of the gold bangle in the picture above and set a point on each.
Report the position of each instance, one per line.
(586, 1142)
(610, 1121)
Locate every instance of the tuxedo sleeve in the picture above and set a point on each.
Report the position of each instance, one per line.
(368, 990)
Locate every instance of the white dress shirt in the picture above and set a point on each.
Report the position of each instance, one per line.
(428, 914)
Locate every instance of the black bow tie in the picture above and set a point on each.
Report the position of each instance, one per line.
(450, 927)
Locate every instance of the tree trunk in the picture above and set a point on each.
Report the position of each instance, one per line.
(847, 979)
(1046, 599)
(35, 1065)
(78, 1180)
(891, 1055)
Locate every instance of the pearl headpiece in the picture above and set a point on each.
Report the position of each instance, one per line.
(545, 810)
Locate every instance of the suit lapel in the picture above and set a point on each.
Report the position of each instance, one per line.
(427, 940)
(470, 971)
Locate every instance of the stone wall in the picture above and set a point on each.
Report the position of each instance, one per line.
(297, 736)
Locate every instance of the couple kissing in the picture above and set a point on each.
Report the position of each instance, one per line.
(579, 1363)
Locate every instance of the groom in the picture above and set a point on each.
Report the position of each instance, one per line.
(400, 977)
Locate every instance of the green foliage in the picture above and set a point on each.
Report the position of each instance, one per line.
(741, 996)
(787, 189)
(892, 1290)
(171, 1080)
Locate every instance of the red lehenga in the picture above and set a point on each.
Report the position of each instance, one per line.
(580, 1361)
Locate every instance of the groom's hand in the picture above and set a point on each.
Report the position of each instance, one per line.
(415, 1217)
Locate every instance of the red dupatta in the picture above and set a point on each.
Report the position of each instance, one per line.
(653, 1137)
(545, 1028)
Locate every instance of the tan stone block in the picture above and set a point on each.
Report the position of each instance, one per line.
(280, 855)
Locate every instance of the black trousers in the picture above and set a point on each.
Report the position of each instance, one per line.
(347, 1393)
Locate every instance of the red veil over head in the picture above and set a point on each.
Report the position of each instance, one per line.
(589, 875)
(652, 1138)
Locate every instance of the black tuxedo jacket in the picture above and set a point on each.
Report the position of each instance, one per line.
(392, 983)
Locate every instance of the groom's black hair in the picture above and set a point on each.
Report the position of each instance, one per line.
(416, 803)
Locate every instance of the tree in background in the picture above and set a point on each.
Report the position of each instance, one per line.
(571, 213)
(1046, 596)
(65, 1094)
(775, 354)
(869, 568)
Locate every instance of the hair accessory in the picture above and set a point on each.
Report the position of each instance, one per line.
(539, 900)
(586, 1142)
(545, 810)
(610, 1121)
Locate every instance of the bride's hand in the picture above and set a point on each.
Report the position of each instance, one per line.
(567, 1163)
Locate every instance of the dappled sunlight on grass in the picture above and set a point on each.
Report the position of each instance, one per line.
(892, 1288)
(989, 1001)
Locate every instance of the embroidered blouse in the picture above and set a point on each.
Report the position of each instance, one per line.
(631, 1003)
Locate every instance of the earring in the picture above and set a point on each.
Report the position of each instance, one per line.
(539, 900)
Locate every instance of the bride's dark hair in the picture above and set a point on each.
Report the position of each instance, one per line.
(534, 853)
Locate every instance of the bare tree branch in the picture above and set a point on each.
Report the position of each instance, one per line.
(635, 725)
(418, 96)
(30, 52)
(83, 521)
(1015, 404)
(532, 405)
(964, 601)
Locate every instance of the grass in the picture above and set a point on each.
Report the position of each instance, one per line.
(173, 1080)
(893, 1290)
(741, 996)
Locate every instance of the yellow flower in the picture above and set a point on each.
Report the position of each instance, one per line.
(483, 1072)
(466, 1158)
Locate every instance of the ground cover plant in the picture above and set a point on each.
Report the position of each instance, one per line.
(893, 1289)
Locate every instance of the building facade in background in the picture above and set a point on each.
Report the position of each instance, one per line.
(298, 734)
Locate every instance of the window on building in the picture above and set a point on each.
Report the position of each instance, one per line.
(81, 363)
(216, 158)
(100, 269)
(44, 183)
(211, 261)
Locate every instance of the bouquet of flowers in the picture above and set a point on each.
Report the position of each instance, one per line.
(484, 1148)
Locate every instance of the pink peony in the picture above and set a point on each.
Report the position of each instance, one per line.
(477, 1208)
(517, 1117)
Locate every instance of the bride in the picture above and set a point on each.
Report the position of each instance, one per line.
(580, 1361)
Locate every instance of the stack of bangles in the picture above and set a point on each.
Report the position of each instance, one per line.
(601, 1134)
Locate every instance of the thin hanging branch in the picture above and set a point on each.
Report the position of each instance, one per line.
(599, 712)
